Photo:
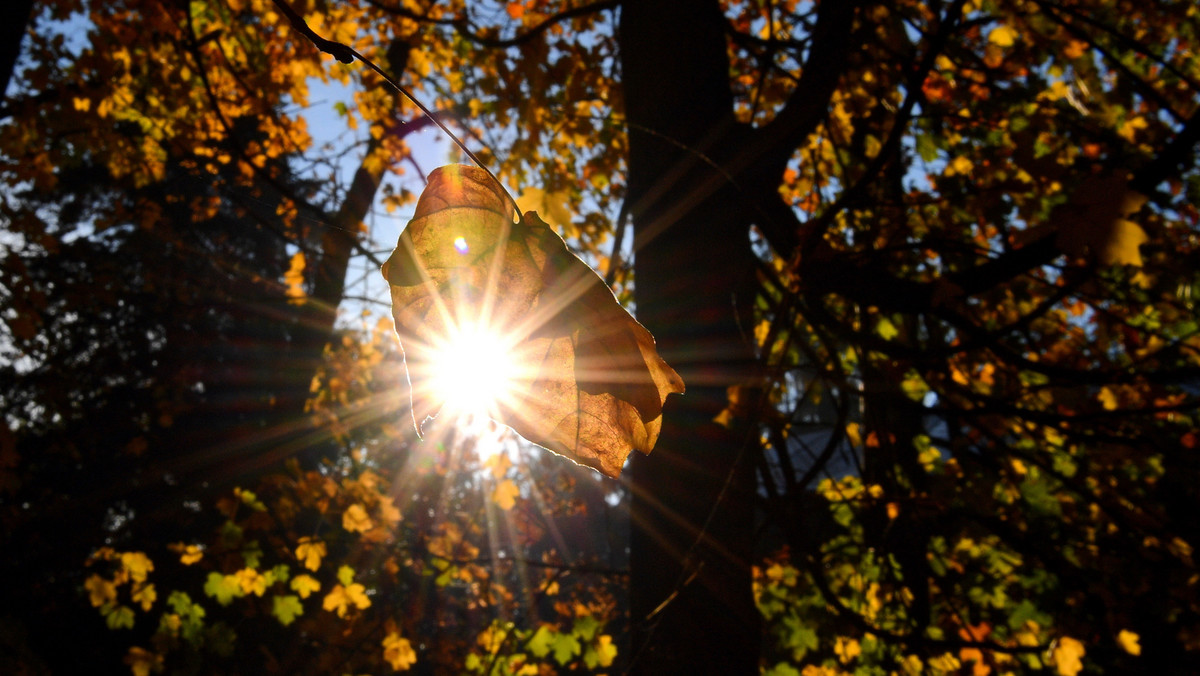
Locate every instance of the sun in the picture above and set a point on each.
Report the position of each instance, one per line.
(473, 372)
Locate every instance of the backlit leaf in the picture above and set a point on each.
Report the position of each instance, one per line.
(100, 591)
(602, 654)
(224, 588)
(142, 662)
(305, 585)
(1129, 642)
(542, 641)
(505, 495)
(588, 382)
(310, 551)
(355, 519)
(341, 599)
(398, 652)
(121, 617)
(286, 608)
(137, 564)
(144, 595)
(565, 647)
(1002, 36)
(1067, 655)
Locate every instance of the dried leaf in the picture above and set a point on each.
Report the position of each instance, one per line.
(588, 382)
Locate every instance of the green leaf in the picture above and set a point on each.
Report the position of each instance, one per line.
(221, 638)
(566, 646)
(281, 573)
(914, 386)
(345, 575)
(600, 654)
(252, 554)
(585, 627)
(782, 669)
(224, 588)
(286, 608)
(541, 641)
(886, 329)
(927, 147)
(121, 617)
(231, 534)
(191, 616)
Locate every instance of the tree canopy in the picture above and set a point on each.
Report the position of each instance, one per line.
(928, 268)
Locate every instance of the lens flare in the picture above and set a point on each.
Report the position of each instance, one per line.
(473, 372)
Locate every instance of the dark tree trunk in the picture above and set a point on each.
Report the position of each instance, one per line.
(691, 546)
(12, 33)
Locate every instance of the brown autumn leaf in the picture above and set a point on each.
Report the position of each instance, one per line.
(588, 382)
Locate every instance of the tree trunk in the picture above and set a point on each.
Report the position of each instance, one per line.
(692, 520)
(12, 35)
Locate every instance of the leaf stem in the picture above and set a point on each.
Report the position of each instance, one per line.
(347, 54)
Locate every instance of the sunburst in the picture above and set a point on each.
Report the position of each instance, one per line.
(473, 372)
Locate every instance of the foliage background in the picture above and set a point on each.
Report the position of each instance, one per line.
(929, 266)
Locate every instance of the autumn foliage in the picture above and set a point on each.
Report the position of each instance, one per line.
(929, 270)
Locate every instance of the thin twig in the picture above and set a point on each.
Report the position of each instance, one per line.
(347, 54)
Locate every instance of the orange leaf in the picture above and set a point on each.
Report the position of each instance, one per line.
(355, 519)
(398, 652)
(1067, 655)
(505, 495)
(585, 379)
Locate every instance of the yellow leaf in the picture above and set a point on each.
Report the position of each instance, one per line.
(355, 519)
(305, 585)
(388, 511)
(398, 652)
(188, 554)
(100, 591)
(310, 552)
(1108, 398)
(846, 649)
(1129, 642)
(251, 581)
(145, 595)
(294, 278)
(141, 661)
(505, 495)
(960, 165)
(1003, 36)
(854, 434)
(340, 599)
(1066, 656)
(1129, 128)
(555, 205)
(137, 564)
(358, 596)
(945, 663)
(606, 652)
(584, 379)
(499, 464)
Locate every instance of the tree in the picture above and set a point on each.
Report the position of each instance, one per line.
(927, 269)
